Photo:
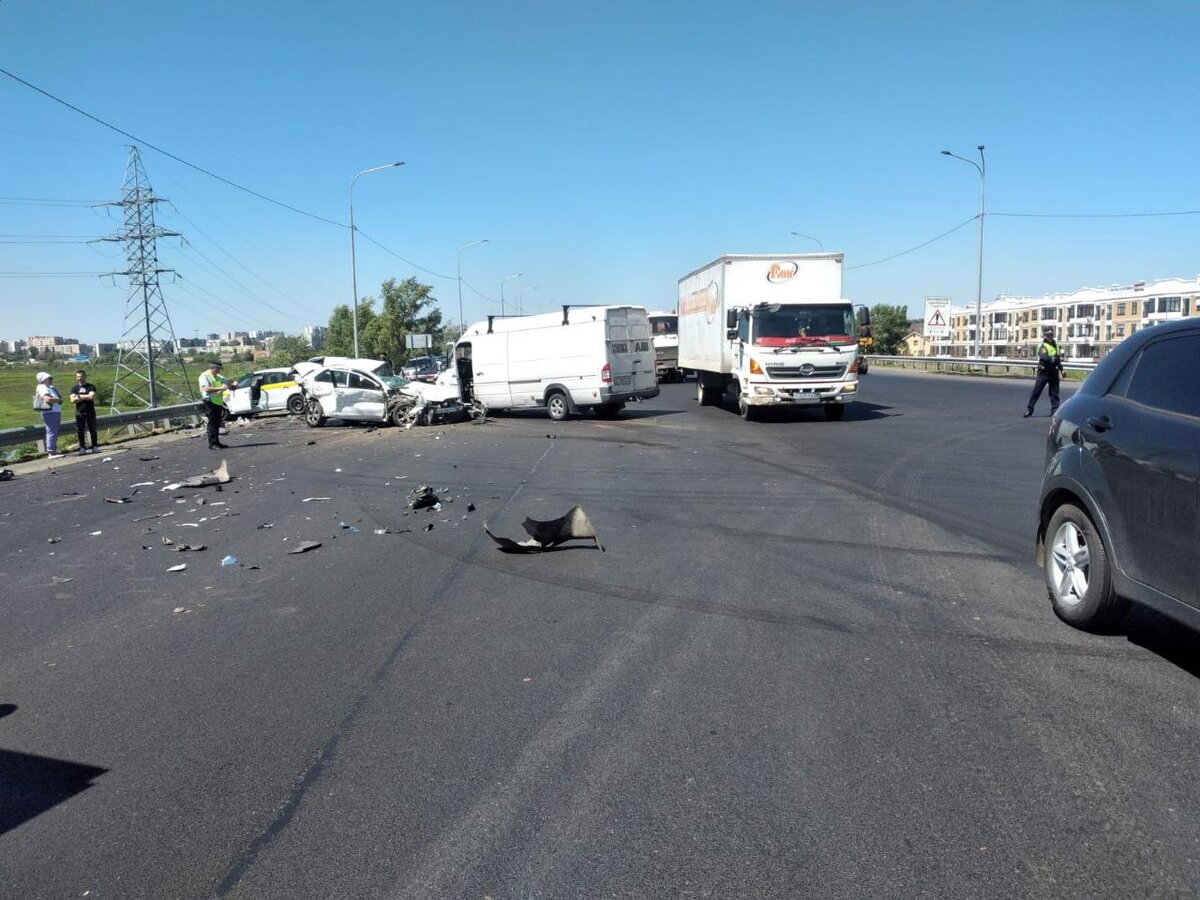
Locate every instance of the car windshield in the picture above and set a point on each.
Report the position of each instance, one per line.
(799, 326)
(393, 382)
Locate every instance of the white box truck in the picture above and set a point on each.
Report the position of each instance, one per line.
(772, 331)
(664, 332)
(585, 357)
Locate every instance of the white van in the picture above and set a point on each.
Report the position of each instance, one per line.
(585, 357)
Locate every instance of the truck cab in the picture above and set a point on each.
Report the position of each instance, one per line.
(789, 354)
(664, 333)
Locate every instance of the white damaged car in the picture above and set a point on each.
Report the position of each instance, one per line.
(367, 391)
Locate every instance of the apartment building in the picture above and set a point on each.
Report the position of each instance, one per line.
(1087, 323)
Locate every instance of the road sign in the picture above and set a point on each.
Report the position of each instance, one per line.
(419, 341)
(937, 317)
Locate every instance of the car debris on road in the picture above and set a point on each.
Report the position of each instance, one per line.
(572, 525)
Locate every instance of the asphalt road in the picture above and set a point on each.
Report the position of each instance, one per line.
(815, 659)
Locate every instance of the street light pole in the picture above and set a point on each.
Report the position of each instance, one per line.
(462, 325)
(502, 280)
(353, 265)
(811, 238)
(981, 168)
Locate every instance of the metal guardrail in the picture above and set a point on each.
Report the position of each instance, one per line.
(970, 364)
(36, 434)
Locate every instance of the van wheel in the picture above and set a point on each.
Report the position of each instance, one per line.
(557, 406)
(1078, 573)
(834, 412)
(295, 404)
(314, 417)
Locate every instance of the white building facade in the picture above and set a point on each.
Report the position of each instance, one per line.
(1087, 323)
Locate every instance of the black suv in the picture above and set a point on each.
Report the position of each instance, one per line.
(1119, 516)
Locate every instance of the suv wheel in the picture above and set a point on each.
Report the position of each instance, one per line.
(1078, 572)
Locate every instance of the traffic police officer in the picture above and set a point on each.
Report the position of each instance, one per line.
(1048, 371)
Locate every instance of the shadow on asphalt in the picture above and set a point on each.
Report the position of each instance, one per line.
(30, 785)
(857, 411)
(1176, 643)
(629, 412)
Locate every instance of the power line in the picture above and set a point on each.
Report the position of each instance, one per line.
(402, 259)
(918, 246)
(44, 201)
(167, 153)
(214, 242)
(1144, 215)
(51, 274)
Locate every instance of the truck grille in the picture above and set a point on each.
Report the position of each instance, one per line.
(807, 370)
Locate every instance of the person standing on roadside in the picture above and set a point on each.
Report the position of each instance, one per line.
(212, 386)
(1048, 372)
(48, 401)
(83, 395)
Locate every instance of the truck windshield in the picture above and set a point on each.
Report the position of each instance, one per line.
(801, 326)
(664, 325)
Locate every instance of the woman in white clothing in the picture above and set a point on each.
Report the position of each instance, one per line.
(48, 401)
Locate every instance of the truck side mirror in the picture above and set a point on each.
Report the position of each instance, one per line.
(731, 317)
(731, 333)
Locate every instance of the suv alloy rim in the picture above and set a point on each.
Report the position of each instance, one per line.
(1069, 564)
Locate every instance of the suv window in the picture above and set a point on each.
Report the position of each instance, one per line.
(1167, 375)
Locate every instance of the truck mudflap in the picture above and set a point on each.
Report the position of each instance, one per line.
(800, 395)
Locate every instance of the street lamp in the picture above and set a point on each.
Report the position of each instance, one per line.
(353, 266)
(462, 325)
(811, 238)
(981, 168)
(502, 280)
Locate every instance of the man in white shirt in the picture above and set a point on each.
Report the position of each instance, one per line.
(48, 401)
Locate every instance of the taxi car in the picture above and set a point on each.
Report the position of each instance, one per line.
(265, 390)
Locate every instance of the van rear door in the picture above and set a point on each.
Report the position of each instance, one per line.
(488, 356)
(630, 351)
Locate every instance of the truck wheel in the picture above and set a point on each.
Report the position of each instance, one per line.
(706, 396)
(295, 404)
(835, 411)
(557, 406)
(746, 411)
(314, 417)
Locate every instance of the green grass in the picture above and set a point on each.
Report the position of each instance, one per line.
(17, 383)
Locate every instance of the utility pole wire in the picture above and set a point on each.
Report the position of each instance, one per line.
(168, 154)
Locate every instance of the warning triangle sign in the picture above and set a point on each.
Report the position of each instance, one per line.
(936, 319)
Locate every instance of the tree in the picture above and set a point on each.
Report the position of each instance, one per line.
(405, 309)
(889, 325)
(287, 350)
(339, 336)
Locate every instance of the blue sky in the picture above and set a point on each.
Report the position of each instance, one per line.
(604, 150)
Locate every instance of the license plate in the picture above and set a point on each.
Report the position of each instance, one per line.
(622, 379)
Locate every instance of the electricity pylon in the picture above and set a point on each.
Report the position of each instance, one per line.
(150, 367)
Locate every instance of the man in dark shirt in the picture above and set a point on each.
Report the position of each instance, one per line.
(83, 395)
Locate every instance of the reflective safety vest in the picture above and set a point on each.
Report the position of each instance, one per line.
(207, 380)
(1048, 357)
